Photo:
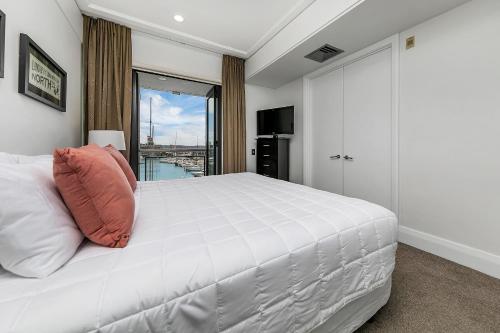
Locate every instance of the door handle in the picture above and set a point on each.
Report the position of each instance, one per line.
(348, 158)
(336, 157)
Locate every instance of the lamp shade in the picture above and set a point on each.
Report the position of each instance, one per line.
(103, 138)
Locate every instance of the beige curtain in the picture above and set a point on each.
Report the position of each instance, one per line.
(107, 62)
(233, 114)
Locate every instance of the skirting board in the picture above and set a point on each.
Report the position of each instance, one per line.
(479, 260)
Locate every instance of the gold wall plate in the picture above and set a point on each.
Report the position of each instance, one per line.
(410, 42)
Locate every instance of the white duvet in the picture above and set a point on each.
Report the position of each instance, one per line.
(233, 253)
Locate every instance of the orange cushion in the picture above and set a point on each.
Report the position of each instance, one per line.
(96, 192)
(123, 163)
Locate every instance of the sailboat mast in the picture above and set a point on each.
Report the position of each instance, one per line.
(175, 145)
(150, 118)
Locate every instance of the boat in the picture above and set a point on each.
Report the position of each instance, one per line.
(167, 160)
(193, 168)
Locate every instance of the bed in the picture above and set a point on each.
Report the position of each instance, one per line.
(232, 253)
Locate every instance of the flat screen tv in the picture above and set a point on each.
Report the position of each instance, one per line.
(275, 121)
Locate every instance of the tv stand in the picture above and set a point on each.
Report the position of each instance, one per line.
(273, 157)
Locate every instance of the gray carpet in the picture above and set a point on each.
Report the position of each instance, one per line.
(431, 294)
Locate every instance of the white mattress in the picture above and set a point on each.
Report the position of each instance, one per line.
(233, 253)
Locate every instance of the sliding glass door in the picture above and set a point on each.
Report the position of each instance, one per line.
(175, 132)
(213, 155)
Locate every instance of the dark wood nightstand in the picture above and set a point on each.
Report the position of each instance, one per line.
(273, 157)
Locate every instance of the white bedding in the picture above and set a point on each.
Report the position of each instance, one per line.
(233, 253)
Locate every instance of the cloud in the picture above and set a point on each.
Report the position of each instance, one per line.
(171, 114)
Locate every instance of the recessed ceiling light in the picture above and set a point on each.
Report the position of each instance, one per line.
(162, 78)
(179, 18)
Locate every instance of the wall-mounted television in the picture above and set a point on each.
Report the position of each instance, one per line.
(275, 121)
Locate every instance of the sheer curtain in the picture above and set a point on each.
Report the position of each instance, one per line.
(233, 115)
(107, 62)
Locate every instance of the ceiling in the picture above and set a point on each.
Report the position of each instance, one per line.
(364, 25)
(236, 27)
(172, 84)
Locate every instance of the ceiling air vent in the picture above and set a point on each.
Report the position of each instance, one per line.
(324, 53)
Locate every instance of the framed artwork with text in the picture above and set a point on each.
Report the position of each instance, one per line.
(40, 77)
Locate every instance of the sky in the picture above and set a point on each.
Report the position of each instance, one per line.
(172, 113)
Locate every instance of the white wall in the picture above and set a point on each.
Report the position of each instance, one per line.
(450, 127)
(73, 16)
(449, 136)
(27, 126)
(162, 55)
(258, 98)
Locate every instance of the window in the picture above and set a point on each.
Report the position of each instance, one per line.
(176, 129)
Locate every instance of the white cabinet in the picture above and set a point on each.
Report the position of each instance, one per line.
(351, 129)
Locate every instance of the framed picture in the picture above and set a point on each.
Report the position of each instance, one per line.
(40, 77)
(2, 41)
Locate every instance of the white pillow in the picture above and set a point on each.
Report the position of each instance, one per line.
(37, 233)
(22, 159)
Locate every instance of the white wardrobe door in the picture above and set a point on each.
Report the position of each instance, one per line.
(367, 128)
(327, 133)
